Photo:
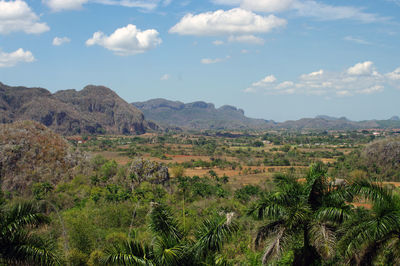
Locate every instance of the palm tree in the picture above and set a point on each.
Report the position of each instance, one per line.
(301, 216)
(170, 245)
(130, 252)
(374, 232)
(18, 245)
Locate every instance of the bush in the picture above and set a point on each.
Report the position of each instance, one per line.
(245, 193)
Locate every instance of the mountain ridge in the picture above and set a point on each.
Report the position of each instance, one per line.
(202, 115)
(99, 110)
(198, 115)
(94, 109)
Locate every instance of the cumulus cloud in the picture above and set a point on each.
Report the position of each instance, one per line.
(236, 21)
(60, 5)
(267, 80)
(208, 61)
(127, 40)
(18, 16)
(313, 75)
(249, 39)
(362, 78)
(57, 41)
(306, 8)
(365, 68)
(11, 59)
(395, 75)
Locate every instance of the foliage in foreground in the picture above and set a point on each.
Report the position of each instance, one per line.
(18, 244)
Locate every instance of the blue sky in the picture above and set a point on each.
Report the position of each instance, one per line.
(276, 59)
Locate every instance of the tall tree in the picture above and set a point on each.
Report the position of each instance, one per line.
(301, 216)
(374, 232)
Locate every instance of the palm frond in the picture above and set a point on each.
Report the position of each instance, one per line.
(317, 185)
(265, 231)
(212, 234)
(298, 215)
(21, 215)
(163, 223)
(130, 252)
(323, 239)
(168, 251)
(38, 251)
(372, 191)
(334, 214)
(274, 247)
(393, 250)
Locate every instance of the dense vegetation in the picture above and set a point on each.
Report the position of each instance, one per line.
(154, 209)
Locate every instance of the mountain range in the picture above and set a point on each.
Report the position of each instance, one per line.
(99, 110)
(201, 115)
(94, 109)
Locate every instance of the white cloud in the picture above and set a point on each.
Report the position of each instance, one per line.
(18, 16)
(365, 68)
(373, 89)
(11, 59)
(356, 40)
(362, 78)
(306, 8)
(313, 75)
(395, 75)
(236, 21)
(127, 40)
(267, 80)
(165, 77)
(208, 61)
(60, 5)
(218, 42)
(57, 41)
(250, 39)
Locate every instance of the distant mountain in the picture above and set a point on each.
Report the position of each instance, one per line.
(327, 123)
(199, 115)
(331, 118)
(95, 109)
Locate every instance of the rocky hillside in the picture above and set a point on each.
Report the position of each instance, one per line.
(95, 109)
(198, 115)
(30, 153)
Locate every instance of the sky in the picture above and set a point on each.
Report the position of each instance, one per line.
(276, 59)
